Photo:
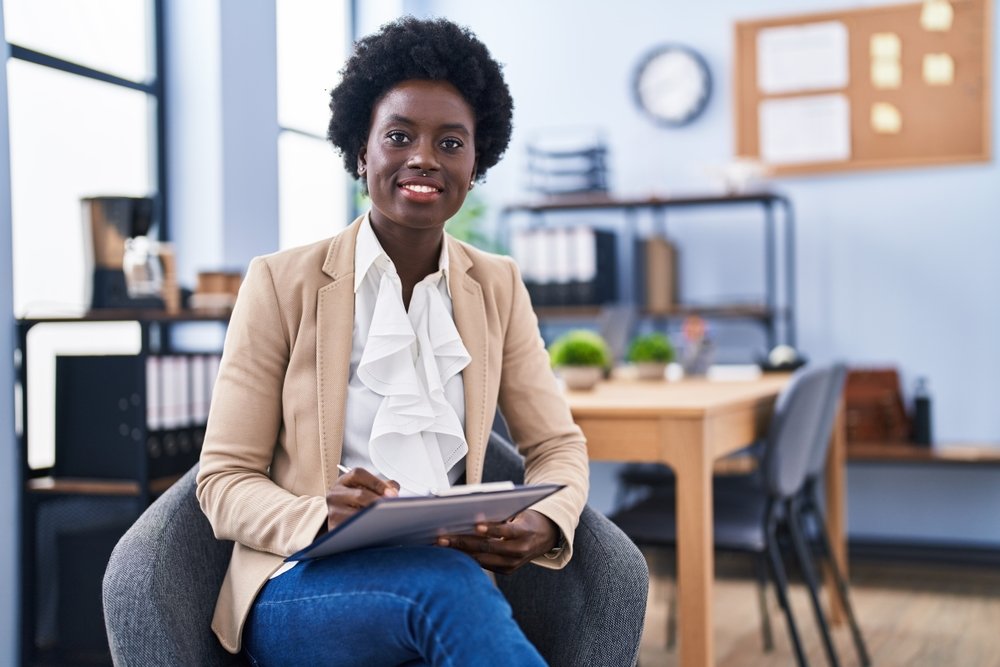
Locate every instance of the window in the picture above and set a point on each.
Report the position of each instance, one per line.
(313, 37)
(85, 104)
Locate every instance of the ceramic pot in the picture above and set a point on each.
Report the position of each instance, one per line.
(581, 377)
(651, 370)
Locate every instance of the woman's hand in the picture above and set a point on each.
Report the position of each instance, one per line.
(353, 491)
(504, 547)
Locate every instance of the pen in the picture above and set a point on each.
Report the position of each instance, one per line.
(342, 468)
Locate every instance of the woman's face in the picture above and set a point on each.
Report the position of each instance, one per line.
(420, 157)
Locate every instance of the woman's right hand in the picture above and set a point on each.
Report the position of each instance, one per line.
(353, 491)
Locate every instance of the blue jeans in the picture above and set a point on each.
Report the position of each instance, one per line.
(385, 607)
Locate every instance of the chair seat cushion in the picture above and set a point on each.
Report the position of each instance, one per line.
(738, 521)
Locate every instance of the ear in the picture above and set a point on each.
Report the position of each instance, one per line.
(475, 171)
(363, 159)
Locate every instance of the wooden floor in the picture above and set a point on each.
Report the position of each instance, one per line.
(912, 615)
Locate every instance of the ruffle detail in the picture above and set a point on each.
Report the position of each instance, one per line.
(417, 436)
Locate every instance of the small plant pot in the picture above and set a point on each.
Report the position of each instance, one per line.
(651, 370)
(581, 377)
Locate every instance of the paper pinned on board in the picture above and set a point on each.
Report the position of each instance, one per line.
(885, 46)
(800, 130)
(886, 119)
(886, 74)
(813, 56)
(939, 69)
(936, 15)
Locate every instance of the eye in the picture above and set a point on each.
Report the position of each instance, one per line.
(451, 144)
(397, 137)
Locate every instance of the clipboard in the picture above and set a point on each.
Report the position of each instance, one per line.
(419, 520)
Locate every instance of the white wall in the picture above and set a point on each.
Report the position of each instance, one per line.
(9, 462)
(894, 266)
(222, 127)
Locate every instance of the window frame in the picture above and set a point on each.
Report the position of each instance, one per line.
(155, 88)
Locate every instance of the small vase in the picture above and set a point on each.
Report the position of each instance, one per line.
(581, 377)
(651, 370)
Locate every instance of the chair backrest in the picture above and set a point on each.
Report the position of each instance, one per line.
(788, 446)
(817, 459)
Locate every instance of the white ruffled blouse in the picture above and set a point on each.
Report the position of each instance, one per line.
(405, 398)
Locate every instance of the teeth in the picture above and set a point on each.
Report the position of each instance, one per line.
(420, 188)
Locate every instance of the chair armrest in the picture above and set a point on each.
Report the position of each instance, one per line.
(161, 584)
(592, 611)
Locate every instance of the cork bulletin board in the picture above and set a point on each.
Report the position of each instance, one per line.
(876, 87)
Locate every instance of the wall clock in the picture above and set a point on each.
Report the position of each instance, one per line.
(672, 85)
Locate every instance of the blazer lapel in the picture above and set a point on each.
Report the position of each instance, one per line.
(334, 337)
(470, 320)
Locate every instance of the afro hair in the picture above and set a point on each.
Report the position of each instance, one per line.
(409, 49)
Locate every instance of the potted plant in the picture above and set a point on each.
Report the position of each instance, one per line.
(651, 353)
(580, 356)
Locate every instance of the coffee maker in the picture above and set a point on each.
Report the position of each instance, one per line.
(124, 270)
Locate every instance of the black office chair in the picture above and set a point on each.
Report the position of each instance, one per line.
(807, 518)
(638, 481)
(750, 521)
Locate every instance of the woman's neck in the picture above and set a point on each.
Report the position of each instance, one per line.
(415, 253)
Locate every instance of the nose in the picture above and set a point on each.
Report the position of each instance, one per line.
(422, 156)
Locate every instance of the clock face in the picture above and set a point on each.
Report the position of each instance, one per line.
(672, 85)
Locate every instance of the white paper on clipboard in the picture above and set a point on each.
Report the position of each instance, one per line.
(418, 520)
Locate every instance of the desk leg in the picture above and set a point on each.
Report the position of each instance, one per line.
(836, 520)
(695, 548)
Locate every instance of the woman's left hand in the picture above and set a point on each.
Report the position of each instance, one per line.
(504, 547)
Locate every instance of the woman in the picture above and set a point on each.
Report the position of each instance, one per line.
(386, 350)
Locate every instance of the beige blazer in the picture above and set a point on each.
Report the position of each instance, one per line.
(276, 425)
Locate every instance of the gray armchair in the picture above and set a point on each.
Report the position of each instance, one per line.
(163, 577)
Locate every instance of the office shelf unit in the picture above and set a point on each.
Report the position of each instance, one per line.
(775, 314)
(101, 403)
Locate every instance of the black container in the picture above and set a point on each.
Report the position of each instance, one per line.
(922, 414)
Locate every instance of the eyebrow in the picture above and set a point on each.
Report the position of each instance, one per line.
(396, 118)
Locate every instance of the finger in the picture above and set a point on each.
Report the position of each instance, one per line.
(355, 497)
(361, 478)
(497, 562)
(508, 530)
(474, 544)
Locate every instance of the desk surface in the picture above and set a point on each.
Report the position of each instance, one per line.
(690, 397)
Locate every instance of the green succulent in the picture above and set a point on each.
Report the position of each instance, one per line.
(580, 347)
(651, 347)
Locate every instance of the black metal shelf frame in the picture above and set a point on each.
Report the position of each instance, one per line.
(155, 338)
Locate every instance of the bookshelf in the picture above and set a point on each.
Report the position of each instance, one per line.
(111, 458)
(775, 313)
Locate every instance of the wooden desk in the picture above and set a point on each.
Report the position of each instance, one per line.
(688, 425)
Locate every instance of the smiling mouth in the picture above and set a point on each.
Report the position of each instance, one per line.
(420, 189)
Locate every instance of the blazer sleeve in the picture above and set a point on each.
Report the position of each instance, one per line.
(239, 498)
(539, 420)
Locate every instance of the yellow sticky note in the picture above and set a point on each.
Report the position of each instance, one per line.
(885, 45)
(886, 73)
(936, 15)
(886, 118)
(939, 69)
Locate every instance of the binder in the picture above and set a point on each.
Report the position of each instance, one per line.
(567, 266)
(420, 520)
(658, 258)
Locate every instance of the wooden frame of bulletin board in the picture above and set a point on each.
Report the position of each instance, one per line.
(861, 119)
